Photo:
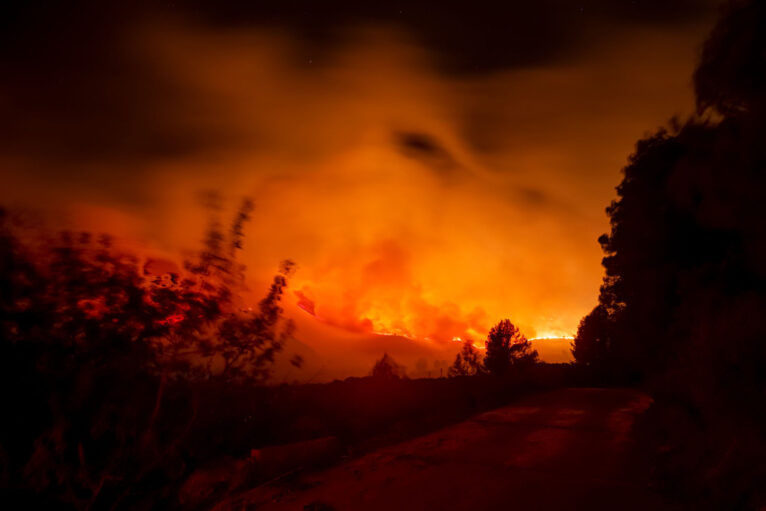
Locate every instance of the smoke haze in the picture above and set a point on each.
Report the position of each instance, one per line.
(420, 196)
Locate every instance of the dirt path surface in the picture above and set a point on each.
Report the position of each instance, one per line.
(565, 449)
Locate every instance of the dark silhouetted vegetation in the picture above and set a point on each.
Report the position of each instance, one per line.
(507, 349)
(388, 368)
(468, 361)
(683, 304)
(127, 389)
(104, 365)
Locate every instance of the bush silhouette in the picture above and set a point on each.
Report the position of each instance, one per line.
(95, 350)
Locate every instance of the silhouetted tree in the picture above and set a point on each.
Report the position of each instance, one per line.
(387, 368)
(467, 362)
(507, 347)
(683, 302)
(592, 345)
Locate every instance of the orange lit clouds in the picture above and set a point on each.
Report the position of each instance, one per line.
(415, 203)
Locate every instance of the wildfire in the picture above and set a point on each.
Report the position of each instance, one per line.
(395, 332)
(173, 319)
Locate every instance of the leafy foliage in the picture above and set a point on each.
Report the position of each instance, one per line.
(682, 304)
(94, 340)
(597, 328)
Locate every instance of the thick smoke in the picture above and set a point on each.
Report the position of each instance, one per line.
(416, 202)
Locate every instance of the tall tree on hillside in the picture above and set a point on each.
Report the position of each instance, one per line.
(507, 347)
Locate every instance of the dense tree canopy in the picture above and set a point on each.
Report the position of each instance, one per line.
(683, 302)
(731, 76)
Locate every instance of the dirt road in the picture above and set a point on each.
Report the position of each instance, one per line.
(565, 449)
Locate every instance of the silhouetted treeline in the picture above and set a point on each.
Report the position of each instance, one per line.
(507, 352)
(683, 303)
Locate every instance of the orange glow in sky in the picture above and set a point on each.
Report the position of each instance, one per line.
(415, 203)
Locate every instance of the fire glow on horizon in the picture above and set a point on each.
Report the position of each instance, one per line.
(416, 203)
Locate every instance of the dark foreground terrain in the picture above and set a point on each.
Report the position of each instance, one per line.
(563, 449)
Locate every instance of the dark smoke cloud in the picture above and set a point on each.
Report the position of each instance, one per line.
(467, 156)
(74, 88)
